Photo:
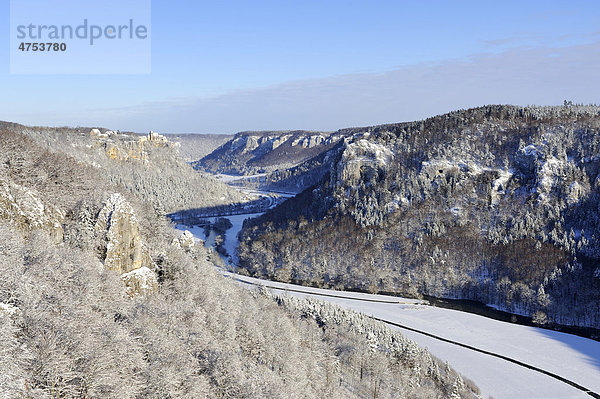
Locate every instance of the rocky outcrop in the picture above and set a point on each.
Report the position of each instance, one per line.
(250, 142)
(185, 241)
(155, 138)
(118, 226)
(23, 207)
(257, 152)
(124, 251)
(314, 140)
(362, 160)
(140, 281)
(126, 147)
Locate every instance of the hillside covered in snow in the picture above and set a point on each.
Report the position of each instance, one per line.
(271, 159)
(497, 204)
(147, 165)
(100, 297)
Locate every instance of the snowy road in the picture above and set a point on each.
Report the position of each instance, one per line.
(570, 357)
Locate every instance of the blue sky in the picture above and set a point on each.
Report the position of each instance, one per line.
(221, 67)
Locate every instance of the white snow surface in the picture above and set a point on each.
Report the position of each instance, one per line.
(365, 151)
(7, 309)
(143, 275)
(231, 239)
(530, 150)
(569, 356)
(231, 178)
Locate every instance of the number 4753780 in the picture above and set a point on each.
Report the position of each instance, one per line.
(43, 47)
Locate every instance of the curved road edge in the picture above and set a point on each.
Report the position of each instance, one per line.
(391, 323)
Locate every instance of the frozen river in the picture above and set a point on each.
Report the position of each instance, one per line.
(231, 236)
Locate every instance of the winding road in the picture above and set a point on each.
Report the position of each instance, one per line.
(508, 361)
(505, 360)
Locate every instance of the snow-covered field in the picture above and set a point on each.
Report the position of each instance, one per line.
(574, 358)
(232, 178)
(231, 240)
(569, 356)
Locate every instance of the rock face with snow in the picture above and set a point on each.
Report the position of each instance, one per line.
(185, 241)
(362, 159)
(118, 226)
(497, 204)
(258, 152)
(124, 147)
(119, 230)
(24, 207)
(140, 281)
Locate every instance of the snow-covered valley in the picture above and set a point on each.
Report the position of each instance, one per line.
(231, 239)
(574, 358)
(569, 356)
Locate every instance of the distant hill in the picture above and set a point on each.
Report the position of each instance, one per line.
(196, 146)
(249, 153)
(498, 204)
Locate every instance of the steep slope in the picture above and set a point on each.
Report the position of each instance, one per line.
(69, 202)
(100, 297)
(498, 204)
(297, 178)
(146, 165)
(259, 152)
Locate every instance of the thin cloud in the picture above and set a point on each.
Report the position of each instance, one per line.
(517, 76)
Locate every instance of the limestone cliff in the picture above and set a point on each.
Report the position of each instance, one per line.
(118, 226)
(125, 147)
(361, 159)
(258, 152)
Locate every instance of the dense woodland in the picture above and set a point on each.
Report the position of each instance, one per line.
(498, 204)
(150, 169)
(70, 329)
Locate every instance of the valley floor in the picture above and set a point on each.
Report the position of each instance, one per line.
(572, 357)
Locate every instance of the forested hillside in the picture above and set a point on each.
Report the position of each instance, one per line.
(498, 204)
(249, 153)
(146, 165)
(101, 298)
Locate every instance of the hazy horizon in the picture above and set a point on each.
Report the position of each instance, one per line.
(225, 68)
